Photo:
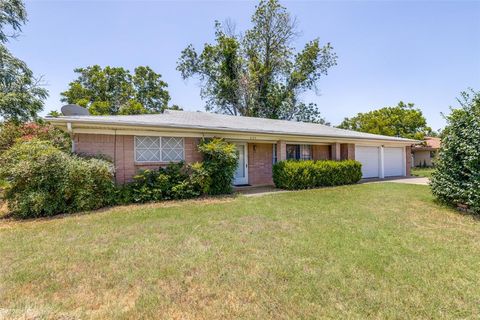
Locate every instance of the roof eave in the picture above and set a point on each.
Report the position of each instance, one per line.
(65, 121)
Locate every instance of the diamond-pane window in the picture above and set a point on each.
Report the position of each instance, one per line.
(147, 149)
(158, 149)
(172, 149)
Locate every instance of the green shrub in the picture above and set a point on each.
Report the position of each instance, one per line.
(176, 181)
(44, 181)
(180, 181)
(293, 174)
(456, 180)
(220, 161)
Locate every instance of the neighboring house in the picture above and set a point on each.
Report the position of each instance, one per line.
(137, 142)
(424, 154)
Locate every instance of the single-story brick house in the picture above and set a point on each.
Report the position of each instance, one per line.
(137, 142)
(424, 153)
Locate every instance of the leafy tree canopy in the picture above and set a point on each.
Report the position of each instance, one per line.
(12, 16)
(456, 180)
(21, 94)
(11, 132)
(114, 90)
(402, 120)
(258, 73)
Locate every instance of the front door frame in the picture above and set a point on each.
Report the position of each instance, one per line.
(245, 156)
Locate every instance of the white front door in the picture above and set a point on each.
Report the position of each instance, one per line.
(241, 175)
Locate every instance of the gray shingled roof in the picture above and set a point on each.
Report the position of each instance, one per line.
(220, 122)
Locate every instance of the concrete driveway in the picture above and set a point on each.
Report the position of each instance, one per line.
(407, 180)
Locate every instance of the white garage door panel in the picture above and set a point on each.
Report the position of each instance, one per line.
(393, 162)
(369, 158)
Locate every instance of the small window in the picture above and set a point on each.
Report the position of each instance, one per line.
(158, 149)
(305, 152)
(274, 154)
(172, 149)
(147, 149)
(299, 151)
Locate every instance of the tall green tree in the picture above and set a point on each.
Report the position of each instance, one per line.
(403, 120)
(115, 90)
(259, 73)
(21, 93)
(456, 180)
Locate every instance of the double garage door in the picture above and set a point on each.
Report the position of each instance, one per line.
(370, 158)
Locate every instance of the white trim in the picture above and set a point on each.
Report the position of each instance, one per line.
(381, 167)
(161, 160)
(245, 156)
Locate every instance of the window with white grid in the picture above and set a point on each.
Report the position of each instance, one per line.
(172, 149)
(158, 149)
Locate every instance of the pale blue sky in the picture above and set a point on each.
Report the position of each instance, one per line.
(422, 52)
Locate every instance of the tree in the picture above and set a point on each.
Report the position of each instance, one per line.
(150, 89)
(21, 94)
(456, 180)
(11, 132)
(258, 73)
(114, 90)
(402, 120)
(12, 15)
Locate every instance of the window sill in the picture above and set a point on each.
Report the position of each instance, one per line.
(154, 163)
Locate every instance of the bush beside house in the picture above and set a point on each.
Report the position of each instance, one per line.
(456, 180)
(293, 174)
(220, 162)
(213, 176)
(44, 180)
(176, 181)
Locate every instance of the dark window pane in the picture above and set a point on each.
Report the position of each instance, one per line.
(291, 151)
(306, 152)
(274, 155)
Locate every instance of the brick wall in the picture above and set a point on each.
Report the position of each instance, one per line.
(321, 152)
(347, 151)
(120, 149)
(281, 150)
(408, 160)
(260, 156)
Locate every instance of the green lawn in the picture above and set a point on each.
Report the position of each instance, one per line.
(422, 172)
(378, 251)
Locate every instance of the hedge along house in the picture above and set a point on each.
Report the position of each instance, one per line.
(135, 142)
